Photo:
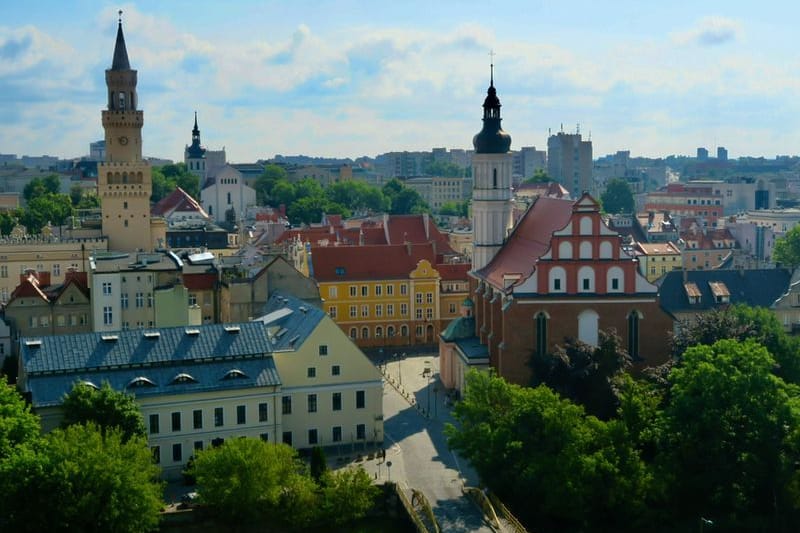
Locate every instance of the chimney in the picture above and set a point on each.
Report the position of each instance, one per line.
(426, 220)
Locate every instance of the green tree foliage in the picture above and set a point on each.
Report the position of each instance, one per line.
(82, 198)
(266, 181)
(587, 375)
(49, 207)
(41, 186)
(105, 407)
(346, 495)
(8, 219)
(357, 195)
(742, 322)
(169, 177)
(319, 463)
(455, 209)
(732, 439)
(403, 200)
(540, 175)
(104, 481)
(618, 197)
(559, 469)
(443, 169)
(787, 248)
(18, 425)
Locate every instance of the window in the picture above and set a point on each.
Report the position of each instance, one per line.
(263, 412)
(365, 333)
(153, 424)
(429, 298)
(123, 300)
(389, 309)
(264, 437)
(336, 434)
(177, 452)
(333, 292)
(286, 405)
(192, 298)
(176, 421)
(403, 289)
(403, 309)
(229, 198)
(418, 298)
(149, 299)
(107, 315)
(312, 436)
(418, 314)
(332, 311)
(633, 335)
(378, 310)
(106, 288)
(353, 290)
(219, 416)
(390, 290)
(557, 275)
(364, 310)
(336, 370)
(336, 403)
(198, 446)
(361, 432)
(419, 331)
(429, 313)
(287, 437)
(241, 414)
(3, 271)
(56, 269)
(197, 419)
(311, 372)
(323, 349)
(312, 403)
(378, 290)
(541, 333)
(353, 333)
(360, 399)
(586, 284)
(364, 290)
(586, 277)
(615, 284)
(587, 327)
(353, 311)
(139, 299)
(404, 331)
(156, 451)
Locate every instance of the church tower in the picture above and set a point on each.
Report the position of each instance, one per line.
(195, 155)
(124, 180)
(491, 194)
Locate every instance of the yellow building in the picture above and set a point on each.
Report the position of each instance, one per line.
(389, 295)
(656, 259)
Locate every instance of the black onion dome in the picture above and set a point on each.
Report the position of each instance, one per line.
(491, 139)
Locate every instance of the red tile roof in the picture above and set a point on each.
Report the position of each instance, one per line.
(529, 240)
(453, 271)
(177, 200)
(194, 282)
(28, 287)
(389, 261)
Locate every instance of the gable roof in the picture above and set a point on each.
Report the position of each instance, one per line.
(756, 288)
(342, 263)
(289, 321)
(177, 200)
(529, 240)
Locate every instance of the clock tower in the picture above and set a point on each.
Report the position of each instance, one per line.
(124, 179)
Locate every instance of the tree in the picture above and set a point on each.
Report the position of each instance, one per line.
(347, 495)
(105, 407)
(75, 194)
(283, 192)
(540, 175)
(246, 479)
(105, 482)
(307, 210)
(529, 445)
(618, 197)
(731, 439)
(787, 248)
(403, 200)
(41, 186)
(319, 463)
(46, 208)
(8, 219)
(167, 178)
(266, 181)
(18, 425)
(455, 209)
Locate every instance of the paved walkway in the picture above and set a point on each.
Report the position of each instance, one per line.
(417, 448)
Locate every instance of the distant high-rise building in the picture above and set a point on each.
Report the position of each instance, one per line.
(97, 151)
(569, 162)
(722, 153)
(702, 154)
(527, 161)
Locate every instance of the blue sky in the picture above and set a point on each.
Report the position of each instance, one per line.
(351, 78)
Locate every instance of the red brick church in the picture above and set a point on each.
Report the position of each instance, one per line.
(560, 273)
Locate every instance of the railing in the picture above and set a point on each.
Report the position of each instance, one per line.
(415, 518)
(480, 499)
(506, 514)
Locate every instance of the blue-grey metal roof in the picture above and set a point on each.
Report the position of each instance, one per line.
(472, 351)
(171, 346)
(289, 321)
(49, 389)
(756, 288)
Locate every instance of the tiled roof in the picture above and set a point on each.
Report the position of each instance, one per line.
(757, 288)
(665, 248)
(177, 200)
(49, 389)
(462, 327)
(453, 271)
(70, 353)
(195, 282)
(289, 321)
(341, 263)
(529, 240)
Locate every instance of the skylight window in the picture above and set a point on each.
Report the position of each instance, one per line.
(183, 378)
(234, 373)
(140, 381)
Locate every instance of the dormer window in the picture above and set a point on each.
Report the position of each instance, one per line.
(140, 381)
(234, 373)
(720, 291)
(183, 378)
(692, 293)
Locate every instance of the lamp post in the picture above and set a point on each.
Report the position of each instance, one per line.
(428, 372)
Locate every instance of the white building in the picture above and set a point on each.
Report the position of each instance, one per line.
(225, 191)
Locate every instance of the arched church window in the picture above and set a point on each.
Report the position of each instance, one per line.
(586, 279)
(587, 327)
(615, 280)
(541, 333)
(633, 335)
(557, 281)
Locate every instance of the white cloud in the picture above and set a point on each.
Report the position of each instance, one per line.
(710, 31)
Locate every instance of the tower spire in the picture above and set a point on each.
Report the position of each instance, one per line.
(120, 61)
(491, 68)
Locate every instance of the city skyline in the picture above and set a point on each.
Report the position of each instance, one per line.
(347, 78)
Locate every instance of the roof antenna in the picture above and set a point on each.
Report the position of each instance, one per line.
(491, 67)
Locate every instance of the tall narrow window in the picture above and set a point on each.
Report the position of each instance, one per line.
(541, 333)
(633, 335)
(494, 178)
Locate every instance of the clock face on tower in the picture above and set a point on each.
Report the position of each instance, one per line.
(123, 140)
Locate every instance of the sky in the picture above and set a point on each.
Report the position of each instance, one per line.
(351, 78)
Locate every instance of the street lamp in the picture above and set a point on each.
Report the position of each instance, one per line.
(428, 372)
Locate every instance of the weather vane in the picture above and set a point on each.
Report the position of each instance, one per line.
(120, 16)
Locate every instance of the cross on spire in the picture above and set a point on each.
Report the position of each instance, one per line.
(491, 67)
(120, 16)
